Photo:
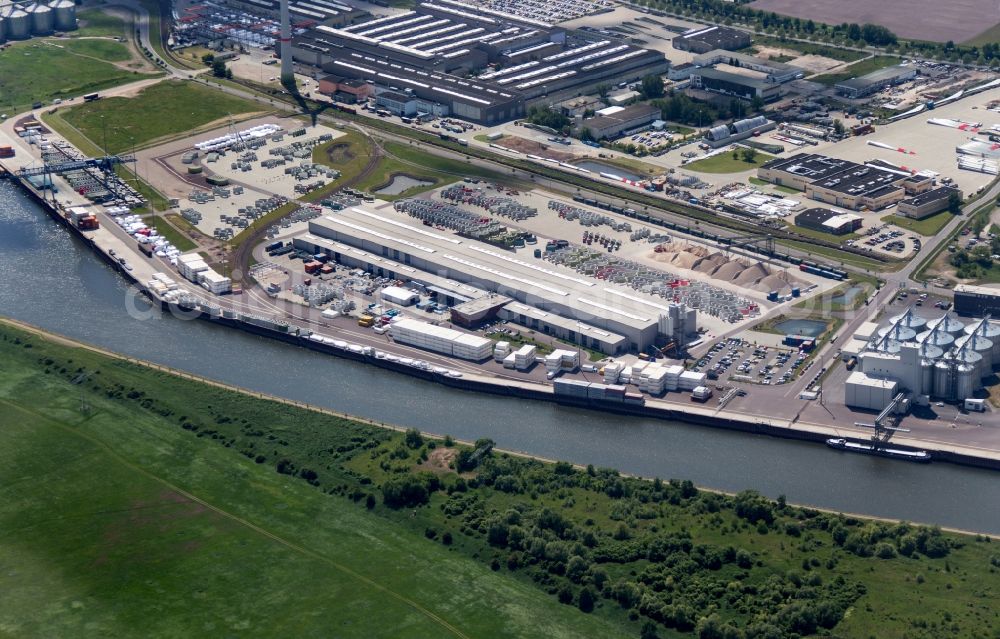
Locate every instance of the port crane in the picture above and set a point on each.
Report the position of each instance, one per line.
(102, 169)
(885, 424)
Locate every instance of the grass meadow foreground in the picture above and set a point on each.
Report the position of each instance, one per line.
(134, 503)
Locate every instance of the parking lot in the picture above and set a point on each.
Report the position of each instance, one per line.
(738, 360)
(887, 239)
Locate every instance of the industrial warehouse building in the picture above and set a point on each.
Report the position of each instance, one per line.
(941, 358)
(875, 81)
(827, 221)
(479, 64)
(740, 85)
(536, 294)
(775, 72)
(976, 301)
(621, 120)
(705, 39)
(840, 183)
(927, 203)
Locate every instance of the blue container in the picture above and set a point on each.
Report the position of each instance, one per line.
(795, 291)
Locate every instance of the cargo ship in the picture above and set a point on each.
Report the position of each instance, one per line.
(866, 448)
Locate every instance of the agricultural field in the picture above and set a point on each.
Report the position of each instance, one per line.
(158, 112)
(185, 508)
(857, 69)
(131, 521)
(38, 71)
(930, 20)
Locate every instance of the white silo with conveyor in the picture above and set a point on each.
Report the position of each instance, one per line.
(41, 19)
(948, 324)
(929, 354)
(898, 332)
(909, 320)
(63, 14)
(936, 336)
(989, 330)
(18, 23)
(965, 354)
(980, 345)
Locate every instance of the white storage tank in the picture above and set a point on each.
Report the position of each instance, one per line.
(966, 380)
(926, 377)
(64, 14)
(966, 355)
(982, 346)
(898, 332)
(990, 331)
(909, 320)
(41, 19)
(887, 346)
(948, 324)
(18, 24)
(943, 380)
(936, 337)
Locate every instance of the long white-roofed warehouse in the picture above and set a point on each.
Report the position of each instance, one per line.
(551, 298)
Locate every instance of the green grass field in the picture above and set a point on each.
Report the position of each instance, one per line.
(107, 50)
(96, 23)
(810, 48)
(119, 522)
(928, 226)
(857, 69)
(137, 503)
(34, 71)
(162, 110)
(724, 163)
(167, 230)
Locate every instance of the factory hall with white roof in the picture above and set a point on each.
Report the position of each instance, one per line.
(489, 282)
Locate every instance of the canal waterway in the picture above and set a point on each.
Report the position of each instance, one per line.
(50, 279)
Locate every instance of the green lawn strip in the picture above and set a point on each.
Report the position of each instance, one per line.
(172, 234)
(35, 71)
(161, 110)
(856, 70)
(724, 163)
(156, 36)
(631, 164)
(150, 530)
(167, 517)
(97, 23)
(811, 48)
(929, 226)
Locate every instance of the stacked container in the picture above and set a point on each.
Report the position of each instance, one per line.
(441, 340)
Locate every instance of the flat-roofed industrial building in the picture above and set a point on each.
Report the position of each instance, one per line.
(875, 81)
(976, 301)
(606, 317)
(777, 72)
(486, 66)
(928, 203)
(837, 182)
(734, 84)
(827, 221)
(705, 39)
(629, 118)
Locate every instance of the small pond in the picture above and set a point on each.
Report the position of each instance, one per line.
(847, 296)
(401, 184)
(808, 328)
(598, 167)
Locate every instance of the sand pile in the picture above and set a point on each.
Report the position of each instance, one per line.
(752, 274)
(774, 283)
(684, 259)
(729, 271)
(711, 263)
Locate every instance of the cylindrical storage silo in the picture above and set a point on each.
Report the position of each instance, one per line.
(888, 346)
(968, 356)
(909, 320)
(926, 377)
(18, 24)
(982, 346)
(990, 331)
(931, 352)
(943, 380)
(63, 14)
(936, 338)
(966, 381)
(41, 19)
(948, 324)
(898, 332)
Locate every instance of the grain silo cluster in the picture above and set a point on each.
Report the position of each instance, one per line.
(22, 20)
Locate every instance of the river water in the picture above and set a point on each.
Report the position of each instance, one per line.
(50, 279)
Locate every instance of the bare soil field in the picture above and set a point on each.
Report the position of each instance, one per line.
(525, 145)
(958, 20)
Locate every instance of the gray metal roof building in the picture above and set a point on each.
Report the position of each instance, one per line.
(875, 81)
(705, 39)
